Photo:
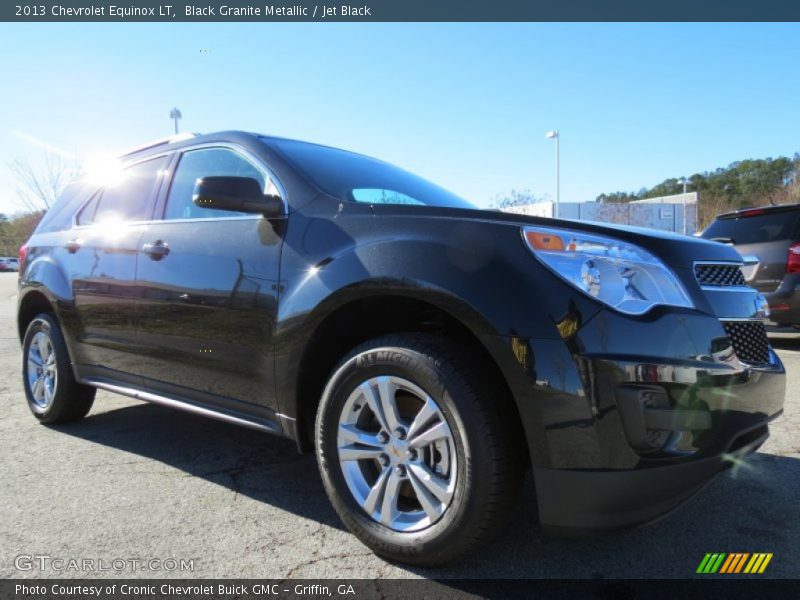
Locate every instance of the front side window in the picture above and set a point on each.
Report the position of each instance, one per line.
(208, 162)
(127, 199)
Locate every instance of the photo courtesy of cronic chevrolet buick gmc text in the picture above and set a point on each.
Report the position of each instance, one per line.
(429, 352)
(769, 240)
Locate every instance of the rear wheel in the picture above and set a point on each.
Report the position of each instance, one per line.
(53, 394)
(414, 453)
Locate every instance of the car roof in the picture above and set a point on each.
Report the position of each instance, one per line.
(175, 142)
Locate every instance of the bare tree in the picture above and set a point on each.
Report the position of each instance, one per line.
(37, 185)
(514, 198)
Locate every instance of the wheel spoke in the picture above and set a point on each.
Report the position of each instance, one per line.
(430, 504)
(440, 431)
(356, 452)
(374, 404)
(36, 345)
(375, 495)
(36, 390)
(35, 359)
(424, 416)
(33, 367)
(353, 434)
(44, 348)
(387, 390)
(48, 391)
(389, 504)
(435, 485)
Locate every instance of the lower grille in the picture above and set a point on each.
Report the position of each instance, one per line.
(719, 275)
(749, 339)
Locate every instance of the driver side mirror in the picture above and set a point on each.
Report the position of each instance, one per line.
(237, 194)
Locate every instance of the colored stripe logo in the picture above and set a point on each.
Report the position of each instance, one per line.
(734, 562)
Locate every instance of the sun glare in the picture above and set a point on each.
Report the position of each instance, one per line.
(113, 227)
(104, 170)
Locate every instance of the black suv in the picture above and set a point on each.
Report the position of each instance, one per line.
(428, 351)
(769, 240)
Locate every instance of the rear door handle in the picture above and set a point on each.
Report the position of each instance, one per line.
(157, 250)
(73, 246)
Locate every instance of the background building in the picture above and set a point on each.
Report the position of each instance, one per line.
(676, 213)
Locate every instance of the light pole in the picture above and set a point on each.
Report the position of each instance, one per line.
(553, 135)
(175, 114)
(684, 182)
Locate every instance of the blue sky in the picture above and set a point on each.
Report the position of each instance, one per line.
(465, 105)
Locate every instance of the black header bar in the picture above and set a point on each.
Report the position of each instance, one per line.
(712, 588)
(398, 10)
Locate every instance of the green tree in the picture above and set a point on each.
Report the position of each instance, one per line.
(751, 182)
(14, 232)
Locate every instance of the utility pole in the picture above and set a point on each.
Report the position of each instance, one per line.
(175, 114)
(554, 135)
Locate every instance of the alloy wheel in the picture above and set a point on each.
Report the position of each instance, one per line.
(42, 371)
(397, 453)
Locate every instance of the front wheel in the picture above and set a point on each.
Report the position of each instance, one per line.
(415, 452)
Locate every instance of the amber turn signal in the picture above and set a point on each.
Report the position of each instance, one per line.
(544, 241)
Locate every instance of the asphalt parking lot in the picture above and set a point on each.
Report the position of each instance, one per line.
(138, 481)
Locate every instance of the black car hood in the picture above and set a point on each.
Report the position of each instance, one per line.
(674, 249)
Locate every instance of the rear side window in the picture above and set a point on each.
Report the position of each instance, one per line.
(128, 200)
(753, 230)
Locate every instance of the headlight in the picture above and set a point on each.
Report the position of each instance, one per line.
(619, 274)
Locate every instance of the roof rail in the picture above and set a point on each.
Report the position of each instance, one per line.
(179, 137)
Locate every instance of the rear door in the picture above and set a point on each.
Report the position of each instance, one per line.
(100, 255)
(209, 284)
(762, 238)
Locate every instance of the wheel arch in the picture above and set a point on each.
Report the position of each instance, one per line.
(356, 321)
(32, 303)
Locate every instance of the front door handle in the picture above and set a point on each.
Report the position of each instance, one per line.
(157, 250)
(73, 246)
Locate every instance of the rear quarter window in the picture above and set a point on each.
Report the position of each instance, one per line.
(59, 217)
(769, 227)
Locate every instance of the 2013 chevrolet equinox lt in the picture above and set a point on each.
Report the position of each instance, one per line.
(430, 352)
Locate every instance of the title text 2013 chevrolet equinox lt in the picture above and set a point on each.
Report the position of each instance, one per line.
(430, 352)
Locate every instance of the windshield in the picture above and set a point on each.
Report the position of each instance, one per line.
(358, 178)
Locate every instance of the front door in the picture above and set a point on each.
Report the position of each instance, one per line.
(209, 291)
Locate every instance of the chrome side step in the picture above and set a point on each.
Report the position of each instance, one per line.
(185, 406)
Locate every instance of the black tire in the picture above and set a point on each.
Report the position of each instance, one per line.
(70, 400)
(488, 446)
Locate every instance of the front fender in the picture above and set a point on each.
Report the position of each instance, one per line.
(479, 273)
(335, 252)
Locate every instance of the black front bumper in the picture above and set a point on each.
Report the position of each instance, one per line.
(632, 485)
(575, 502)
(592, 471)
